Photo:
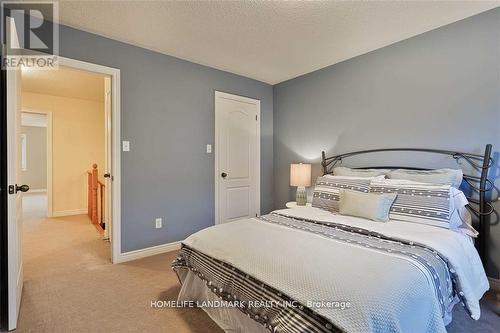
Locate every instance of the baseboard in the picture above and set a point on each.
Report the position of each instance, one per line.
(69, 212)
(149, 251)
(494, 284)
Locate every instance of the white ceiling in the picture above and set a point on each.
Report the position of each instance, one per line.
(65, 82)
(268, 41)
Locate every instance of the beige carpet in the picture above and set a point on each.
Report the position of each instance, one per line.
(71, 286)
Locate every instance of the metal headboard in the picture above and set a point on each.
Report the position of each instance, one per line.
(479, 185)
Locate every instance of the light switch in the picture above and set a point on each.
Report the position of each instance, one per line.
(209, 149)
(158, 223)
(126, 145)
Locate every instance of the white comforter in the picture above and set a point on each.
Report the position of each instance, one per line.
(457, 247)
(293, 261)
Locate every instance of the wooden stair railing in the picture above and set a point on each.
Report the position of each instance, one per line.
(95, 197)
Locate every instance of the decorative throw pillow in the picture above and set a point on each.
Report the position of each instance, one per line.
(343, 171)
(452, 177)
(417, 202)
(326, 193)
(372, 206)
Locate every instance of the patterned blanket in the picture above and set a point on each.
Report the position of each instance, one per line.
(286, 309)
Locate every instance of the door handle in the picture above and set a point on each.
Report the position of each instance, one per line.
(108, 175)
(223, 175)
(13, 189)
(22, 188)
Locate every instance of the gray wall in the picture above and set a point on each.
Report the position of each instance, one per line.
(440, 90)
(36, 157)
(167, 113)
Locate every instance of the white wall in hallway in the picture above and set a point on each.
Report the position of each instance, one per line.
(78, 142)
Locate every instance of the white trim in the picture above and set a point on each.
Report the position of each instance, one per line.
(71, 212)
(49, 156)
(14, 256)
(38, 190)
(149, 251)
(114, 73)
(33, 120)
(494, 284)
(49, 164)
(24, 158)
(216, 139)
(216, 161)
(237, 98)
(257, 185)
(108, 158)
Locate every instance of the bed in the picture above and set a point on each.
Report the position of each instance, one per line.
(311, 270)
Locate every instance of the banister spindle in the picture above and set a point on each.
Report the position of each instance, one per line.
(94, 193)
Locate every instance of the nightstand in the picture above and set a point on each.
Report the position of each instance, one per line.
(293, 204)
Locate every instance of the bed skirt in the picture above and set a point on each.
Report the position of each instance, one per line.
(231, 320)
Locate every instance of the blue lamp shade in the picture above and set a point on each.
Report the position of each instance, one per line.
(300, 176)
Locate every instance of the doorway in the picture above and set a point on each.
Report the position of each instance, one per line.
(108, 209)
(36, 162)
(70, 105)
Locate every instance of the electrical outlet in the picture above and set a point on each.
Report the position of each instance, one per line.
(158, 223)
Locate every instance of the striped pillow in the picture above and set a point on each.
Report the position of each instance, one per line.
(327, 190)
(417, 202)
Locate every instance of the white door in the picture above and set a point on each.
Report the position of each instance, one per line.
(15, 210)
(237, 157)
(108, 158)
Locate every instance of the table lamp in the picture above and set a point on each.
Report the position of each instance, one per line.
(300, 176)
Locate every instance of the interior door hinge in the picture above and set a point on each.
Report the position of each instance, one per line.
(256, 117)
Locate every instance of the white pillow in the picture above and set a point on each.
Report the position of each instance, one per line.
(452, 177)
(461, 218)
(343, 171)
(382, 177)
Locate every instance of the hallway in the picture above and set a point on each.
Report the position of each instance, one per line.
(59, 255)
(71, 285)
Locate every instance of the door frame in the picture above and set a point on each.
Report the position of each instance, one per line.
(49, 154)
(108, 158)
(115, 237)
(114, 73)
(4, 285)
(217, 95)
